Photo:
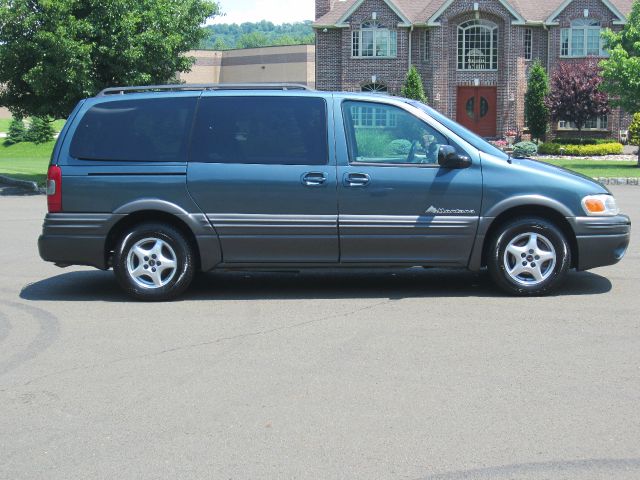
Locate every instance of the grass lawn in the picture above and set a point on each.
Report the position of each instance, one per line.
(599, 168)
(26, 161)
(4, 124)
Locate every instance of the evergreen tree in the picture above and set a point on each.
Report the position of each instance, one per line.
(536, 111)
(40, 130)
(16, 133)
(413, 87)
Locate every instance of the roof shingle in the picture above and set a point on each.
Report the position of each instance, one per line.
(419, 11)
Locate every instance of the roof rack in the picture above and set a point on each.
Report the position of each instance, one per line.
(185, 87)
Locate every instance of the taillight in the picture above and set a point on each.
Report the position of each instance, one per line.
(54, 189)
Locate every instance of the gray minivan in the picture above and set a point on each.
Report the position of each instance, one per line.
(161, 182)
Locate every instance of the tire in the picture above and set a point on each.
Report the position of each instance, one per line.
(546, 260)
(154, 262)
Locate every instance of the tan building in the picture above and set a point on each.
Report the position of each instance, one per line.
(286, 64)
(290, 64)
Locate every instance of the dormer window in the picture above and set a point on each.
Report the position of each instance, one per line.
(582, 39)
(374, 40)
(477, 45)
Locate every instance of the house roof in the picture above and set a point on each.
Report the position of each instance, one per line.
(422, 11)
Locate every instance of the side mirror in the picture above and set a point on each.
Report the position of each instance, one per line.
(448, 157)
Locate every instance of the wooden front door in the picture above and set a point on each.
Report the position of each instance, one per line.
(477, 109)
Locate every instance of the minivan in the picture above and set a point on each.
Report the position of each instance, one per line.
(161, 182)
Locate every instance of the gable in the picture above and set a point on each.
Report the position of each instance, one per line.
(343, 21)
(552, 19)
(433, 20)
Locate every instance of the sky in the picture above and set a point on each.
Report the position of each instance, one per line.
(276, 11)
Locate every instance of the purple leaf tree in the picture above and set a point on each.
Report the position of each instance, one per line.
(575, 93)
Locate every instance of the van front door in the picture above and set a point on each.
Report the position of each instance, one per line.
(261, 170)
(396, 204)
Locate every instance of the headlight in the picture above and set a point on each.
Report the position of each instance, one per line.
(600, 206)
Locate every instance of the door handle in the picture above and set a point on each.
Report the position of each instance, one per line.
(356, 180)
(314, 179)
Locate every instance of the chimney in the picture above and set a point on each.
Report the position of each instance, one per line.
(322, 8)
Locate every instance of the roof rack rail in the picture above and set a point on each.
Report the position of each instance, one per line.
(185, 87)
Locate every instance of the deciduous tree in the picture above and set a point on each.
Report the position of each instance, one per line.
(621, 71)
(54, 53)
(575, 93)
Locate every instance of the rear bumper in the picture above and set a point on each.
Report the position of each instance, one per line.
(76, 239)
(601, 240)
(73, 250)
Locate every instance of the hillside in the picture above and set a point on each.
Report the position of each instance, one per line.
(260, 34)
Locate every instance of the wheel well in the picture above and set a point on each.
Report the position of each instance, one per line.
(532, 211)
(136, 218)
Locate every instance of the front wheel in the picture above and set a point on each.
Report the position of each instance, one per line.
(154, 262)
(529, 256)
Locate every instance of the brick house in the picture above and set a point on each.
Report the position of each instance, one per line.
(473, 56)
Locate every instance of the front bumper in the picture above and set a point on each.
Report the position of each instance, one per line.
(601, 240)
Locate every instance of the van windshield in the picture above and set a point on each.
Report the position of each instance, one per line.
(475, 140)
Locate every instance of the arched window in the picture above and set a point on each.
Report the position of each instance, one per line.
(374, 87)
(477, 45)
(374, 40)
(582, 39)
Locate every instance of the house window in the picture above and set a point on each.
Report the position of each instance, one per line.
(597, 123)
(528, 44)
(582, 39)
(374, 87)
(477, 45)
(427, 45)
(372, 117)
(374, 40)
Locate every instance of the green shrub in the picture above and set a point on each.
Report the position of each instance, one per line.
(583, 141)
(525, 149)
(372, 143)
(399, 147)
(16, 132)
(612, 148)
(40, 131)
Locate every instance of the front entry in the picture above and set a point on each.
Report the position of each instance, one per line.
(477, 109)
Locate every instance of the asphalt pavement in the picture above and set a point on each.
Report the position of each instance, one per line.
(420, 374)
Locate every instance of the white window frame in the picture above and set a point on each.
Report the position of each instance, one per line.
(427, 45)
(602, 125)
(375, 117)
(585, 26)
(528, 44)
(378, 33)
(492, 30)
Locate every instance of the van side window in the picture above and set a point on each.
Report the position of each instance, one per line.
(149, 130)
(261, 130)
(385, 134)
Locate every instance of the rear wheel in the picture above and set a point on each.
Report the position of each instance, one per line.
(154, 262)
(529, 256)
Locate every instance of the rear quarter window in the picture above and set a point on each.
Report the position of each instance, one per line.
(144, 130)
